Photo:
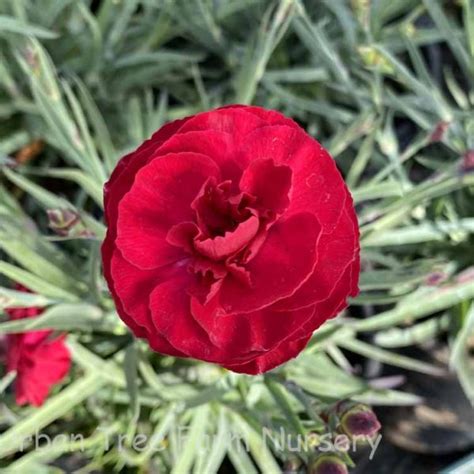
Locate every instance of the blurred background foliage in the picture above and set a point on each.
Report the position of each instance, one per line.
(385, 86)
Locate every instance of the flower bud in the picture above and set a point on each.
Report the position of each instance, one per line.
(292, 466)
(468, 161)
(436, 278)
(328, 464)
(360, 420)
(374, 59)
(409, 29)
(437, 135)
(62, 220)
(67, 223)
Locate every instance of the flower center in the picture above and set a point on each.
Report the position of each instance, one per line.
(231, 225)
(218, 210)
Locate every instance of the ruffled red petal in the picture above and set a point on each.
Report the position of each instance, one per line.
(119, 183)
(317, 186)
(259, 331)
(216, 248)
(268, 183)
(160, 198)
(171, 315)
(336, 252)
(285, 351)
(269, 116)
(283, 263)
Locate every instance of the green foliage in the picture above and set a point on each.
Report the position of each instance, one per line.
(91, 80)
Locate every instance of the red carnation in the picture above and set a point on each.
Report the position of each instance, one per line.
(231, 238)
(39, 361)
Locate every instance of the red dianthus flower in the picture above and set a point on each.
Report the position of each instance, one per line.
(231, 238)
(39, 361)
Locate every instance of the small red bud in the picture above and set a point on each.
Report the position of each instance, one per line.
(435, 278)
(291, 466)
(328, 464)
(438, 133)
(360, 420)
(468, 161)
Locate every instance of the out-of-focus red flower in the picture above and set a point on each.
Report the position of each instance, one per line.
(231, 238)
(39, 360)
